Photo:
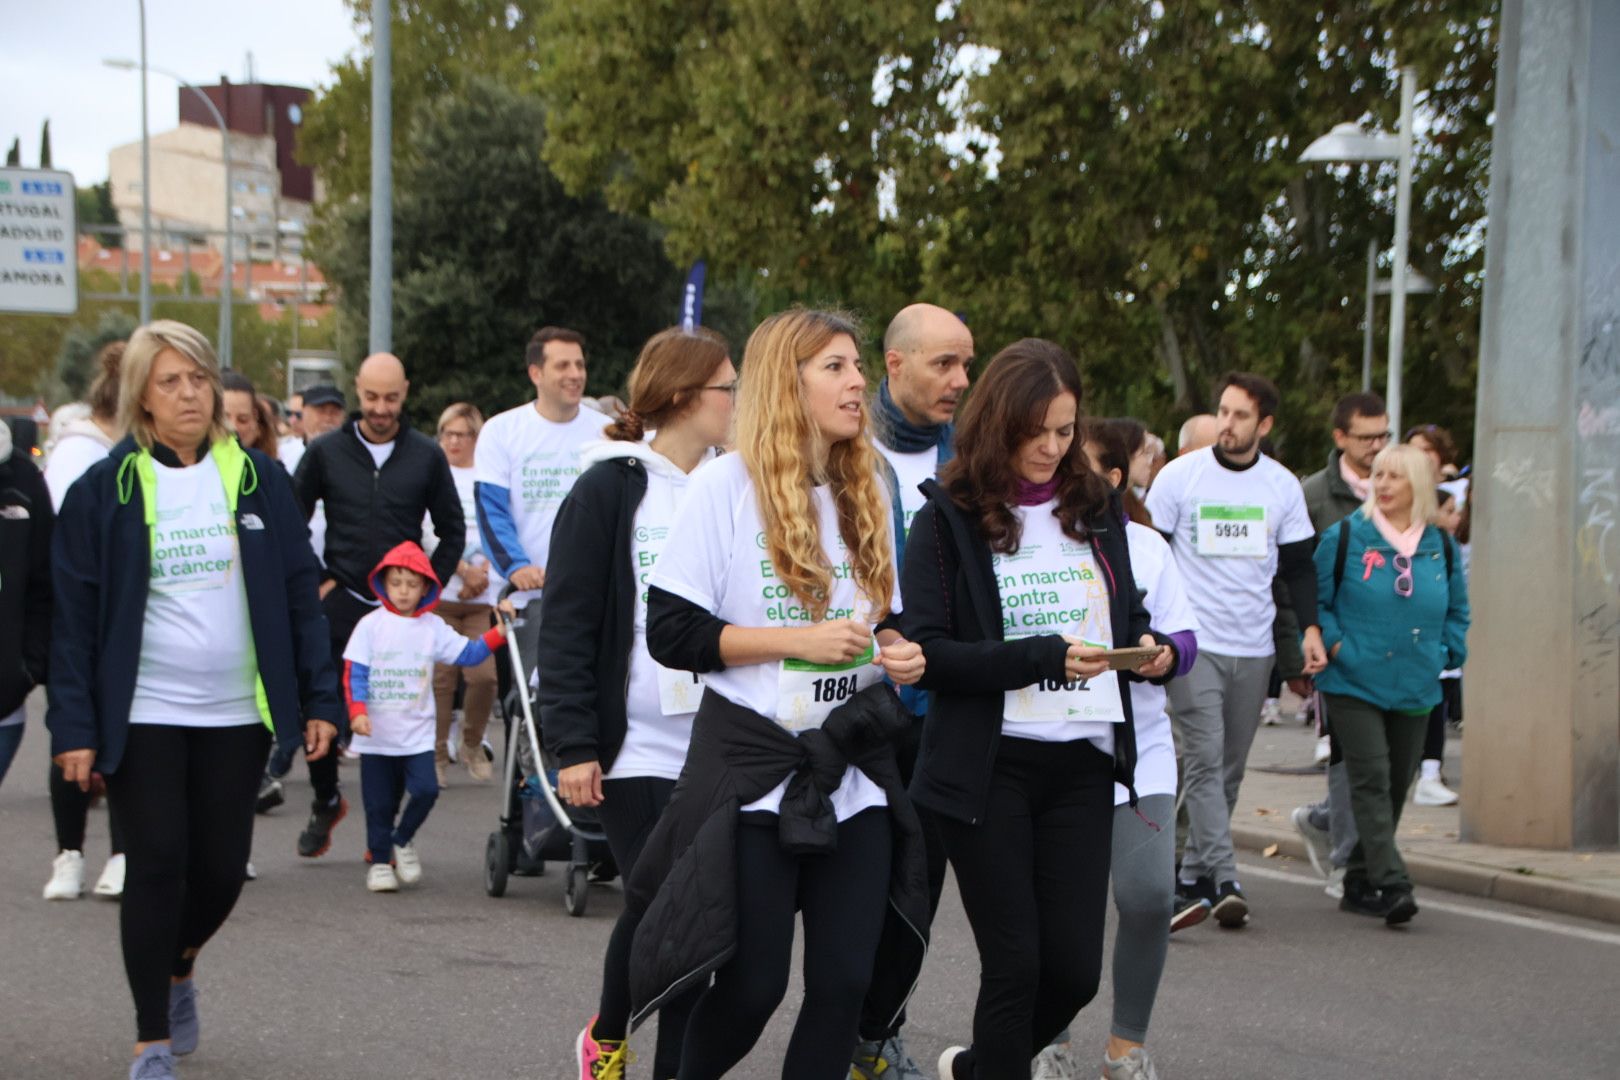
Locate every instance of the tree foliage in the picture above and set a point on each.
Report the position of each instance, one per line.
(1119, 177)
(488, 247)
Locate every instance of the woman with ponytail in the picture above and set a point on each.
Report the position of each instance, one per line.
(777, 584)
(616, 721)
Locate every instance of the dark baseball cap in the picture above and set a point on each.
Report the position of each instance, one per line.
(324, 394)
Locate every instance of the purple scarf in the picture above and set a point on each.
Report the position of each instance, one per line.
(1034, 494)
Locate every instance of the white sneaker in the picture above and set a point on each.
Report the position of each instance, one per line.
(67, 877)
(947, 1062)
(1054, 1063)
(1335, 883)
(1432, 791)
(1270, 715)
(408, 864)
(1324, 750)
(1318, 843)
(111, 882)
(381, 878)
(1135, 1065)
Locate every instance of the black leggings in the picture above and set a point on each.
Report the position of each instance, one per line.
(70, 807)
(630, 808)
(843, 897)
(186, 796)
(1449, 709)
(1033, 876)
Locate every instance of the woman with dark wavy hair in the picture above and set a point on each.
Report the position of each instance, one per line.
(1016, 581)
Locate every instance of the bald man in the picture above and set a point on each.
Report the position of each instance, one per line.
(1198, 432)
(377, 478)
(927, 352)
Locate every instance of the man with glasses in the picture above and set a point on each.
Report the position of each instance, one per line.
(1360, 430)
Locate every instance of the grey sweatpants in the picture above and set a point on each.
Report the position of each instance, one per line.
(1333, 814)
(1215, 710)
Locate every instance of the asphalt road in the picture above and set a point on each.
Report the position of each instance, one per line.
(315, 977)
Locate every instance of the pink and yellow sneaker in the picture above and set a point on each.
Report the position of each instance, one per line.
(600, 1060)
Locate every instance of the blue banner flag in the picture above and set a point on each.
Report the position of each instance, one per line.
(692, 298)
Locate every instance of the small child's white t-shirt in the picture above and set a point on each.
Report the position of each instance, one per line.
(400, 652)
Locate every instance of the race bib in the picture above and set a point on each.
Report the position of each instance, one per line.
(1095, 700)
(678, 691)
(806, 693)
(1232, 531)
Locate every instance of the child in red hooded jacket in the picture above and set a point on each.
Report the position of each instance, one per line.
(388, 680)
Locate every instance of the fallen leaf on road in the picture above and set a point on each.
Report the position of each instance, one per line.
(1270, 852)
(1263, 811)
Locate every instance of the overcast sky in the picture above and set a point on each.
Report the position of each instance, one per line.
(51, 53)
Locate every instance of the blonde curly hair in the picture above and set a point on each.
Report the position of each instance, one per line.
(780, 447)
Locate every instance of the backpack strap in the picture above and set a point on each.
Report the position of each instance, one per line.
(1342, 554)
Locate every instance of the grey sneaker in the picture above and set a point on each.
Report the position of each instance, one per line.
(901, 1065)
(1135, 1065)
(1054, 1063)
(183, 1024)
(155, 1063)
(1318, 844)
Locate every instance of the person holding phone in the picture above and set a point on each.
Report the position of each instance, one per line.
(1018, 585)
(777, 584)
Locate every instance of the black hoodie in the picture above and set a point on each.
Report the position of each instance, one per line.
(25, 579)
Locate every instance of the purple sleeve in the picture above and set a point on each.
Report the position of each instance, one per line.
(1186, 643)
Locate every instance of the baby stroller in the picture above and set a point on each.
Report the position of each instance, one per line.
(535, 826)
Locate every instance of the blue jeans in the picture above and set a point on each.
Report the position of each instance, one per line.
(384, 780)
(10, 738)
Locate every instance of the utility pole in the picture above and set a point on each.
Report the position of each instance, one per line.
(382, 178)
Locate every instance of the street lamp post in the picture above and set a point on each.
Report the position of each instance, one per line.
(227, 285)
(1347, 143)
(146, 187)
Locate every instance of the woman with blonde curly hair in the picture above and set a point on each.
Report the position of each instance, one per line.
(777, 583)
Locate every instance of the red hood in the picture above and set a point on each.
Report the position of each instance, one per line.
(411, 557)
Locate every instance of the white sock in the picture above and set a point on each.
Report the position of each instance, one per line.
(1430, 769)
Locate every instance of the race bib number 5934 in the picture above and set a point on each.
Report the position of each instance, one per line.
(1232, 531)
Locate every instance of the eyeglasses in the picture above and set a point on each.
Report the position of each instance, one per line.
(455, 434)
(1368, 440)
(1403, 575)
(730, 388)
(295, 414)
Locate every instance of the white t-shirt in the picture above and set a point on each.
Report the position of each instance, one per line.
(659, 703)
(1053, 585)
(1227, 526)
(1166, 600)
(911, 470)
(537, 461)
(401, 650)
(474, 551)
(290, 449)
(68, 461)
(716, 558)
(379, 451)
(197, 666)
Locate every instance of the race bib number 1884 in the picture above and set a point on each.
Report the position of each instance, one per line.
(806, 692)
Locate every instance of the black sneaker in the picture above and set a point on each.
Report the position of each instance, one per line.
(1361, 897)
(1231, 908)
(270, 795)
(1399, 906)
(1191, 905)
(316, 838)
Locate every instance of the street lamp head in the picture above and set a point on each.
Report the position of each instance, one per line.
(1348, 143)
(120, 64)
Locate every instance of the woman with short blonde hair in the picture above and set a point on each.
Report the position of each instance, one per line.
(1393, 606)
(188, 635)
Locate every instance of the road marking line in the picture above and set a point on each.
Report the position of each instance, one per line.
(1426, 904)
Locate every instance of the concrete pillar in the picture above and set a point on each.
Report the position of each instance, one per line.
(1541, 754)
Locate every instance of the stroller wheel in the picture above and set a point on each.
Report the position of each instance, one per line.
(497, 856)
(577, 890)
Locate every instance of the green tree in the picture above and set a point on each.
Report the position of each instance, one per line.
(14, 155)
(45, 145)
(76, 362)
(487, 247)
(95, 207)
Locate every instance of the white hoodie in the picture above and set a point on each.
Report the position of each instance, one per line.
(79, 445)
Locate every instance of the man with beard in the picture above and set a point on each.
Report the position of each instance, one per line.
(927, 352)
(377, 478)
(1235, 518)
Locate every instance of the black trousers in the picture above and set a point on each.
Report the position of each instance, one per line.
(186, 798)
(69, 809)
(1033, 876)
(843, 897)
(630, 808)
(342, 613)
(898, 964)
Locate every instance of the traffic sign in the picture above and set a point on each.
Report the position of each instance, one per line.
(39, 263)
